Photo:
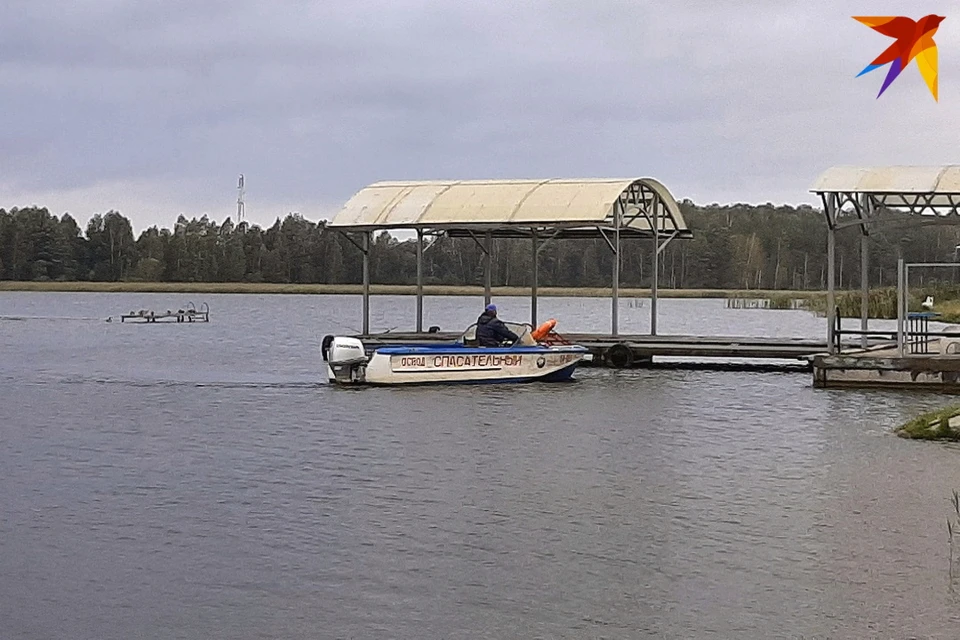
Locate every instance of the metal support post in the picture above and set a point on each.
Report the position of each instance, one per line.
(866, 209)
(488, 240)
(536, 275)
(656, 268)
(864, 289)
(901, 281)
(419, 280)
(615, 310)
(831, 277)
(366, 283)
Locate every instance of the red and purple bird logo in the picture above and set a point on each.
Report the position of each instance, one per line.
(914, 40)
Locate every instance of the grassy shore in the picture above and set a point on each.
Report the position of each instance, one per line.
(942, 424)
(382, 289)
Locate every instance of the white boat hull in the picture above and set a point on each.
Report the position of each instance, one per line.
(397, 366)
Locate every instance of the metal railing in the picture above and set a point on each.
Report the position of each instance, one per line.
(916, 333)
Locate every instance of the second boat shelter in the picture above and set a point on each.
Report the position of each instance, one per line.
(855, 196)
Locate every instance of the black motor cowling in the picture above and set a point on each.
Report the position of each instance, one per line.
(325, 347)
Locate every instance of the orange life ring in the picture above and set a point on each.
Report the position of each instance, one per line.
(541, 332)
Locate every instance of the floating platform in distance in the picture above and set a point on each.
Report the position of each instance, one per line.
(628, 351)
(190, 314)
(934, 365)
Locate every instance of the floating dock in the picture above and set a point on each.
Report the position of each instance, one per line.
(914, 358)
(190, 314)
(932, 364)
(629, 351)
(934, 367)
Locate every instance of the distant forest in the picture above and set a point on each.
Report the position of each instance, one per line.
(735, 247)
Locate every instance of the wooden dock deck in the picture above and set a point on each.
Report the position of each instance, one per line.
(627, 351)
(190, 314)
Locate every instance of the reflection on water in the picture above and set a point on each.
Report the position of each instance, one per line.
(202, 481)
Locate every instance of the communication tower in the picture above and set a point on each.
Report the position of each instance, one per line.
(240, 199)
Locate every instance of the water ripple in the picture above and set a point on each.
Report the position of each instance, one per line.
(206, 483)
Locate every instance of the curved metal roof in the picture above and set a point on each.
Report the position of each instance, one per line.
(571, 207)
(895, 179)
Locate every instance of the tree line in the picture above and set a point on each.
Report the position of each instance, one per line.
(734, 247)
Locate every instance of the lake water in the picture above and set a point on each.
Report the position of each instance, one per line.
(203, 481)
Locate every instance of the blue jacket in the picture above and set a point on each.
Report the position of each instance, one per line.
(491, 331)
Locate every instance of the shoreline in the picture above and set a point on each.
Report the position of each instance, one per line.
(385, 289)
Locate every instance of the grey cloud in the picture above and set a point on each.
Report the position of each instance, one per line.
(313, 100)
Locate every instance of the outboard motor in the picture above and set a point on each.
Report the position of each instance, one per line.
(325, 347)
(346, 360)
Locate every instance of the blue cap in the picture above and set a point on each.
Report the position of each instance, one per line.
(491, 307)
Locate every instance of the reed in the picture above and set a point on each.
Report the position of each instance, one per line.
(882, 303)
(786, 301)
(953, 527)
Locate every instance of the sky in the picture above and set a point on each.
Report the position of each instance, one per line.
(154, 108)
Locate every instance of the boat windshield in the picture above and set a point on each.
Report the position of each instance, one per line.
(469, 337)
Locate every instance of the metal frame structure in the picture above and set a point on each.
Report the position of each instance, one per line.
(540, 210)
(854, 196)
(904, 334)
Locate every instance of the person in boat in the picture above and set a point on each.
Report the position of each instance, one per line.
(491, 332)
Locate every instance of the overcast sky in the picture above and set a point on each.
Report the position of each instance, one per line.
(154, 108)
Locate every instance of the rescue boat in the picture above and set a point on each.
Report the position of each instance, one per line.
(540, 355)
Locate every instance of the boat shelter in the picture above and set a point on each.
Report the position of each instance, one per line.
(854, 197)
(539, 210)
